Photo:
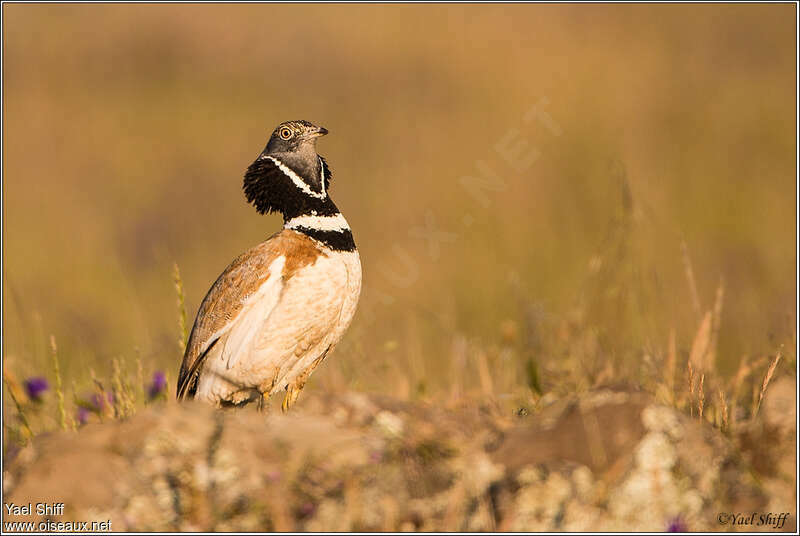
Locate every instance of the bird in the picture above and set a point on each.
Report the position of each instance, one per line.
(279, 309)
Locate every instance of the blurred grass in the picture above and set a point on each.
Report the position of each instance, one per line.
(128, 128)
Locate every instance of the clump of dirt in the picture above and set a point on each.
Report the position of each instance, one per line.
(604, 461)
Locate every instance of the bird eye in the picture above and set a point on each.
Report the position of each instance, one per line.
(285, 133)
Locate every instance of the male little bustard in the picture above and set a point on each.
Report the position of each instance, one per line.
(280, 307)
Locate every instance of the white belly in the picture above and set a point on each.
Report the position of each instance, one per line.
(315, 308)
(352, 263)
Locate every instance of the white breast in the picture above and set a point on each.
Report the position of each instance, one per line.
(349, 291)
(352, 263)
(309, 314)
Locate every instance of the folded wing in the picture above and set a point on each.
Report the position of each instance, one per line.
(267, 316)
(222, 308)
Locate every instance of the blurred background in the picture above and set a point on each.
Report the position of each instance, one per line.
(535, 190)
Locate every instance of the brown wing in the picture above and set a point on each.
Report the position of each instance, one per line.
(230, 292)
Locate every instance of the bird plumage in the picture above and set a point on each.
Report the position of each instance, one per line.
(279, 308)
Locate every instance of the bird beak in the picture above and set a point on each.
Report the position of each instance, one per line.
(321, 131)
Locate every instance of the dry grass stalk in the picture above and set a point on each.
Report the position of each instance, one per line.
(123, 402)
(100, 391)
(74, 390)
(754, 400)
(765, 383)
(95, 381)
(116, 385)
(690, 384)
(687, 265)
(62, 414)
(701, 345)
(22, 418)
(13, 383)
(182, 330)
(723, 406)
(701, 398)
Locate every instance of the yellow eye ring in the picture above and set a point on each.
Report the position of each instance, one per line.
(285, 133)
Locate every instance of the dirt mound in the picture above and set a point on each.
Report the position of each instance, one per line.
(607, 460)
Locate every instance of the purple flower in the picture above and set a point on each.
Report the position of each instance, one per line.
(35, 387)
(82, 416)
(158, 385)
(96, 402)
(677, 524)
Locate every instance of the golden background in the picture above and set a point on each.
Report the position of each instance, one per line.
(127, 130)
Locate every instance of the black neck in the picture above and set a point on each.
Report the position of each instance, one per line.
(271, 190)
(303, 202)
(335, 240)
(330, 229)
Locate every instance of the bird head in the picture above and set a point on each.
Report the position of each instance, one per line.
(294, 136)
(289, 176)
